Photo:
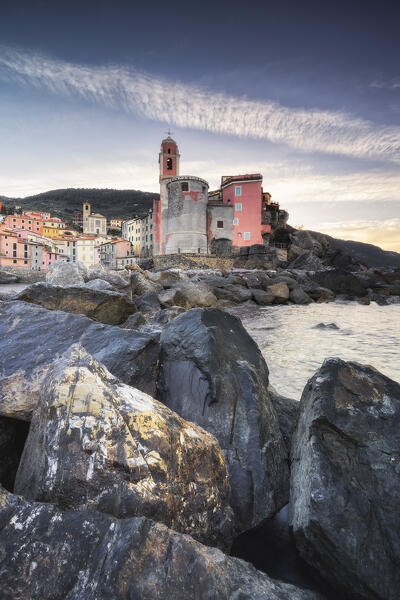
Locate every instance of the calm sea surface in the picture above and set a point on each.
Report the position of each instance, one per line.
(294, 348)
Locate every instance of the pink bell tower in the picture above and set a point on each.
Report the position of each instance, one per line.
(169, 167)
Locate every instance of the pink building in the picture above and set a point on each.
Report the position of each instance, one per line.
(18, 251)
(110, 251)
(27, 222)
(244, 193)
(14, 251)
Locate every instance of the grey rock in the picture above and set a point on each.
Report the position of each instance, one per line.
(65, 273)
(340, 282)
(107, 307)
(326, 326)
(345, 482)
(99, 284)
(103, 445)
(148, 302)
(280, 291)
(263, 298)
(213, 373)
(287, 410)
(134, 321)
(299, 296)
(33, 338)
(72, 555)
(233, 293)
(173, 297)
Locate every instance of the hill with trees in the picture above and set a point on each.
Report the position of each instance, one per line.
(113, 204)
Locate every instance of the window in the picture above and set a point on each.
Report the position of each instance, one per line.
(238, 190)
(14, 261)
(15, 250)
(239, 234)
(220, 224)
(236, 221)
(238, 206)
(169, 164)
(25, 262)
(169, 150)
(246, 235)
(203, 189)
(185, 186)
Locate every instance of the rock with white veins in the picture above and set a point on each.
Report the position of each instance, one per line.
(48, 554)
(33, 338)
(97, 443)
(345, 479)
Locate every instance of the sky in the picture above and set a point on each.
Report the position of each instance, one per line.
(306, 93)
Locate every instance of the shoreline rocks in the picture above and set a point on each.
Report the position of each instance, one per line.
(97, 443)
(33, 338)
(345, 479)
(213, 373)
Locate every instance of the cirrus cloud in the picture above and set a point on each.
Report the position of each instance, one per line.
(188, 106)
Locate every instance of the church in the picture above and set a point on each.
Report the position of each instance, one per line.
(190, 219)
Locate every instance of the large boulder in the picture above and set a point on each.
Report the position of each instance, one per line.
(345, 483)
(103, 445)
(101, 305)
(233, 293)
(340, 282)
(118, 280)
(299, 296)
(140, 284)
(66, 273)
(99, 284)
(280, 291)
(197, 294)
(6, 277)
(48, 554)
(33, 338)
(213, 373)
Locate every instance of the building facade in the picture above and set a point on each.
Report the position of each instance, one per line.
(111, 250)
(93, 223)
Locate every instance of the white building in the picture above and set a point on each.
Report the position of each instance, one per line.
(93, 223)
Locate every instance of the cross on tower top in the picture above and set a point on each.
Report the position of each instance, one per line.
(169, 133)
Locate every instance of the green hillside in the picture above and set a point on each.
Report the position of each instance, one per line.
(124, 204)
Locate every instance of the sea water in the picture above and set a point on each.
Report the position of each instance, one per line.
(295, 340)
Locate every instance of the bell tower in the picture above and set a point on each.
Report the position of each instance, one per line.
(169, 158)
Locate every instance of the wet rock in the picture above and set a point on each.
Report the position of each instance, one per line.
(148, 302)
(299, 296)
(87, 555)
(197, 294)
(173, 297)
(345, 481)
(64, 273)
(280, 292)
(317, 292)
(213, 373)
(141, 285)
(326, 326)
(263, 298)
(168, 278)
(8, 277)
(233, 293)
(340, 282)
(97, 443)
(103, 306)
(134, 321)
(119, 281)
(287, 411)
(99, 284)
(33, 338)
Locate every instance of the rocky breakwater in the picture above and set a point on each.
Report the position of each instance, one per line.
(116, 491)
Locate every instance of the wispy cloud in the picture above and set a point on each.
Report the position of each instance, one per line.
(188, 106)
(390, 84)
